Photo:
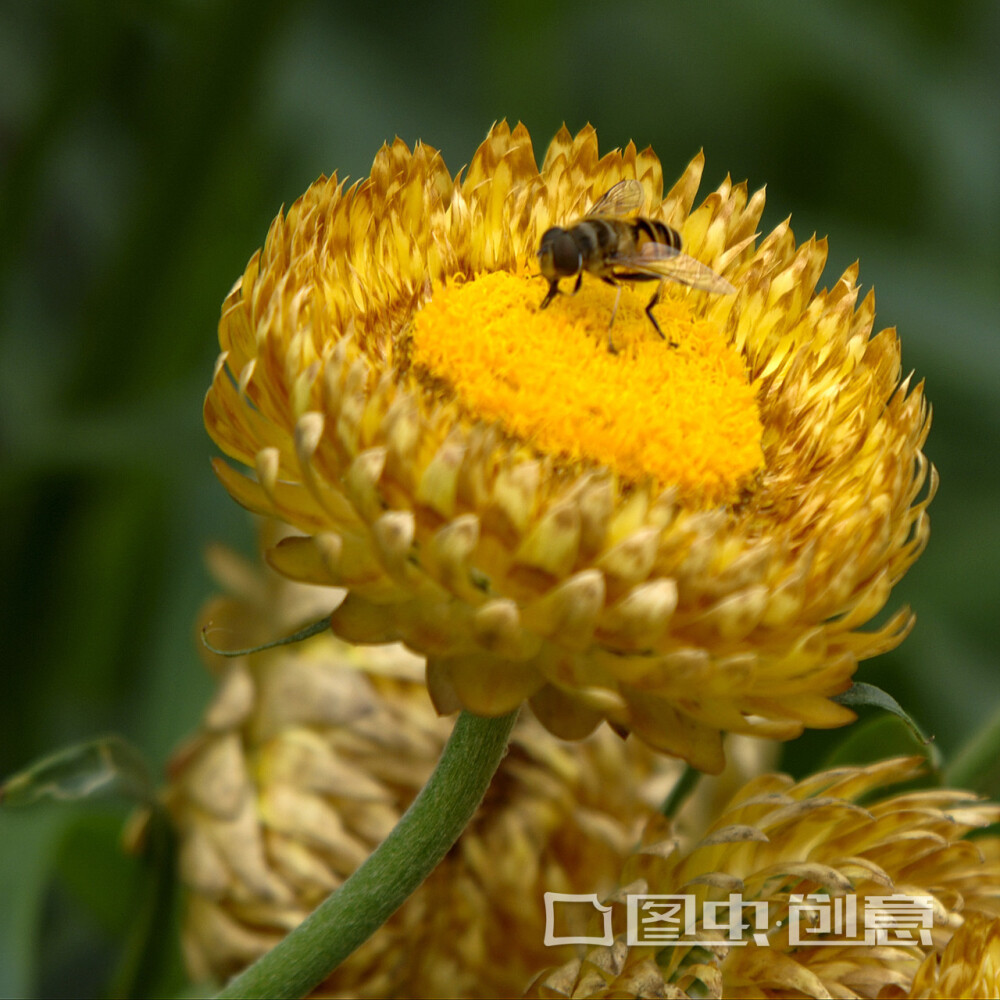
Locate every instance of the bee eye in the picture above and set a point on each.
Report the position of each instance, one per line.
(565, 254)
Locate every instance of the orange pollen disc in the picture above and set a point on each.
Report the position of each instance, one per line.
(683, 416)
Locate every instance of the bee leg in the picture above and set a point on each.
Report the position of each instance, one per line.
(652, 318)
(614, 312)
(550, 294)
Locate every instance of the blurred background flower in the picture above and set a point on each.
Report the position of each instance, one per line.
(307, 756)
(838, 835)
(144, 150)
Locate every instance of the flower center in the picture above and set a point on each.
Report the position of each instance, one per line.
(683, 415)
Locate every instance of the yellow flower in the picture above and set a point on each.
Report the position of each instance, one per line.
(833, 836)
(305, 760)
(681, 540)
(968, 967)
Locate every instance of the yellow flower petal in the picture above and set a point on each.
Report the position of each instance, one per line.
(969, 965)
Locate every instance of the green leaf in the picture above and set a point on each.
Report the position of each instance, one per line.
(106, 766)
(861, 695)
(306, 632)
(878, 739)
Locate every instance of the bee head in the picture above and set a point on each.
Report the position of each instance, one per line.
(558, 254)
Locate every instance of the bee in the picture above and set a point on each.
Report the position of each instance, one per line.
(614, 247)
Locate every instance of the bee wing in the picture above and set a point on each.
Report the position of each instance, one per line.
(668, 262)
(625, 198)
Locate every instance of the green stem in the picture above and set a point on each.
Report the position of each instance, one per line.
(680, 792)
(424, 835)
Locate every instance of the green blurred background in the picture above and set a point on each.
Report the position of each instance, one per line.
(144, 148)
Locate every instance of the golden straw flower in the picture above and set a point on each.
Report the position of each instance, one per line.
(305, 760)
(834, 836)
(682, 540)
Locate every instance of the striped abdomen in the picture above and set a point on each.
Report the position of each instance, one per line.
(606, 243)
